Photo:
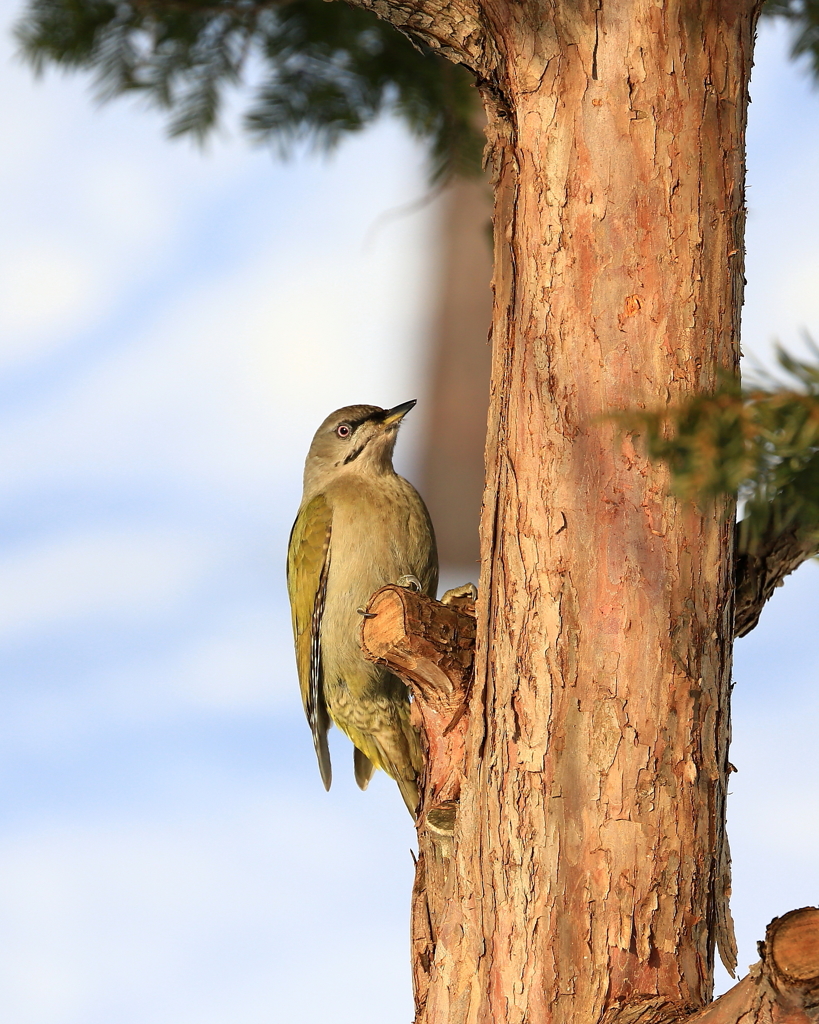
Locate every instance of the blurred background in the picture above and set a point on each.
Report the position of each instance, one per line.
(174, 324)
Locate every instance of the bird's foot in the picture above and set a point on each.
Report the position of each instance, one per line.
(461, 597)
(410, 582)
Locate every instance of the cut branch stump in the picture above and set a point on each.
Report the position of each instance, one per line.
(431, 646)
(783, 988)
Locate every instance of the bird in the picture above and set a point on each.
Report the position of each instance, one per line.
(360, 526)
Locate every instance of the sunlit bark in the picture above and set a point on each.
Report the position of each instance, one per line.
(589, 870)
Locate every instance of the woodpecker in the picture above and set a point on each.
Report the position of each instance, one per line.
(360, 526)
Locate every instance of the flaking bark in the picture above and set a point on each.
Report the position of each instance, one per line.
(591, 860)
(454, 28)
(430, 645)
(589, 867)
(783, 988)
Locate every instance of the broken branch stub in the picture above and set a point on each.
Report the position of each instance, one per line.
(431, 646)
(790, 956)
(783, 988)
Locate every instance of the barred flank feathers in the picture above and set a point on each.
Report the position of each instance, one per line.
(316, 706)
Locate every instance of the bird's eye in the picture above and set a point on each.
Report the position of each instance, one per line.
(343, 430)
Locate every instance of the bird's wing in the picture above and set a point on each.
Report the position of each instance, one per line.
(307, 565)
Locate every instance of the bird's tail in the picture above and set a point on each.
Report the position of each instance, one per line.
(397, 751)
(386, 739)
(410, 793)
(405, 775)
(404, 760)
(363, 767)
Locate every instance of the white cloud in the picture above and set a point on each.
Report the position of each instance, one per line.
(100, 574)
(782, 297)
(89, 210)
(227, 379)
(41, 286)
(235, 665)
(236, 916)
(246, 666)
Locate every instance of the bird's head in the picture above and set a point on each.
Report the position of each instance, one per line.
(355, 439)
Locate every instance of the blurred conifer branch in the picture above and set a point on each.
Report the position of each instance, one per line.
(318, 70)
(762, 444)
(803, 15)
(314, 70)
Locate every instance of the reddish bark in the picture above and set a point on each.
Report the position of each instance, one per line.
(591, 861)
(589, 872)
(430, 646)
(783, 988)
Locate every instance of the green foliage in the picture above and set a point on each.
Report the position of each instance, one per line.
(317, 70)
(761, 443)
(804, 17)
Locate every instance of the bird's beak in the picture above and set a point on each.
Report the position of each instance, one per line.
(396, 414)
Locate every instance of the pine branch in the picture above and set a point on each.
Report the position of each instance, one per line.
(762, 444)
(314, 71)
(803, 16)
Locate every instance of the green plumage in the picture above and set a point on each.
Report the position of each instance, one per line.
(307, 565)
(360, 526)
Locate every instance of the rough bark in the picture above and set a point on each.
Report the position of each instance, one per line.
(431, 645)
(590, 866)
(452, 27)
(783, 988)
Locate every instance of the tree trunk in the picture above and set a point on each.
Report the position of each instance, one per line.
(590, 862)
(590, 870)
(451, 473)
(430, 644)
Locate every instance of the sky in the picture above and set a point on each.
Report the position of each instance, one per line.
(174, 324)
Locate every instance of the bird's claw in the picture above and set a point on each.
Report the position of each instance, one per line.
(459, 597)
(366, 614)
(410, 582)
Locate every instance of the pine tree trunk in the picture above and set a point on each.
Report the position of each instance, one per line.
(451, 472)
(590, 865)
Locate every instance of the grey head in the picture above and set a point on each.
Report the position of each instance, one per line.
(355, 439)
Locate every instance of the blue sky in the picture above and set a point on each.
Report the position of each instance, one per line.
(173, 327)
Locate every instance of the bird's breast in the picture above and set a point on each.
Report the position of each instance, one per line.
(379, 534)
